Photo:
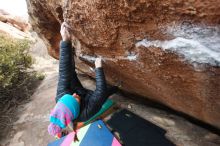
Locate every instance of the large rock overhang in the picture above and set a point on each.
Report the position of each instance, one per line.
(167, 51)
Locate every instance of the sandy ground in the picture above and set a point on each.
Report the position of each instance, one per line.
(31, 127)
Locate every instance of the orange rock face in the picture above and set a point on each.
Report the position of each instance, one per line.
(167, 51)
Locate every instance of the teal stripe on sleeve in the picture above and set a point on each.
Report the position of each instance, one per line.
(57, 122)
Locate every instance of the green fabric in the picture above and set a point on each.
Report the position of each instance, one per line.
(107, 105)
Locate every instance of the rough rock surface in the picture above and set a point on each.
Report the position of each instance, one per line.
(167, 51)
(15, 21)
(30, 128)
(14, 26)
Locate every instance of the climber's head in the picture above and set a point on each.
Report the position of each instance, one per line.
(66, 110)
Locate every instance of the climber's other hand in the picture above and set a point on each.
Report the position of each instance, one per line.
(65, 32)
(98, 62)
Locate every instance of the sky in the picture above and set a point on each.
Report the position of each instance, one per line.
(15, 7)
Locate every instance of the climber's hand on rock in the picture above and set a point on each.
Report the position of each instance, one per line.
(65, 32)
(98, 62)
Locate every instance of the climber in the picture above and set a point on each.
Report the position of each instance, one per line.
(74, 103)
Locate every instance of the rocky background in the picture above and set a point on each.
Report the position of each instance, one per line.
(14, 26)
(167, 51)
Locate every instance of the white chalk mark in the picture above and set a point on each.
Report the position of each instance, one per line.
(131, 57)
(88, 58)
(196, 44)
(92, 69)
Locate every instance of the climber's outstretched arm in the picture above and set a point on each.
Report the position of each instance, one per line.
(95, 100)
(65, 69)
(68, 81)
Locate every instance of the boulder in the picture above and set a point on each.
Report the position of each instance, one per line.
(15, 21)
(14, 26)
(167, 51)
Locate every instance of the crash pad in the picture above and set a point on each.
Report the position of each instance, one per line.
(106, 108)
(94, 134)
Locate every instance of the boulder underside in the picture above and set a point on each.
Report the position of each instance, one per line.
(167, 51)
